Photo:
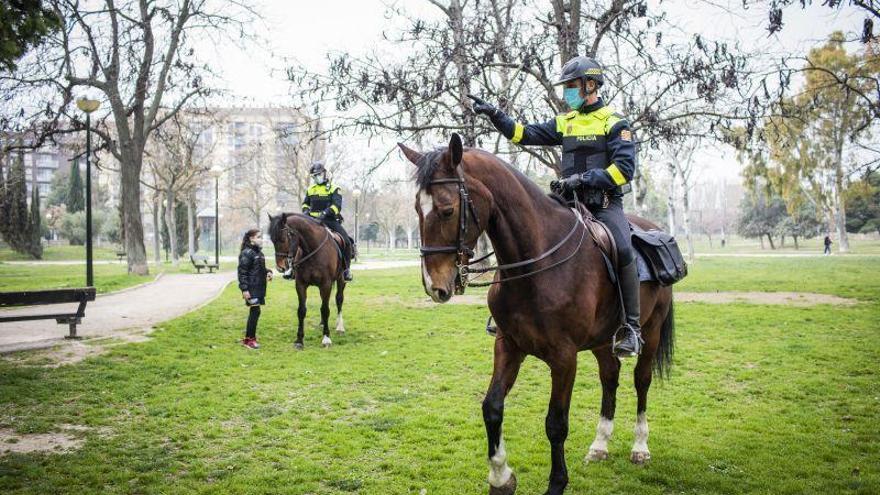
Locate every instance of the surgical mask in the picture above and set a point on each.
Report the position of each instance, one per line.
(573, 98)
(320, 178)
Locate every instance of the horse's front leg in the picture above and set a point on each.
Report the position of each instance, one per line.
(301, 291)
(325, 313)
(609, 374)
(507, 362)
(563, 369)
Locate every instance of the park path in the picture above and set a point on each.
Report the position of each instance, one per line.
(119, 313)
(130, 313)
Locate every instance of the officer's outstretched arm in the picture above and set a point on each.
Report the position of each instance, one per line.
(543, 134)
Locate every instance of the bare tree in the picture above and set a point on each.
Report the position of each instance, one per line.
(662, 78)
(179, 158)
(139, 55)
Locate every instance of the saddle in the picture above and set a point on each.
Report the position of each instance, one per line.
(657, 252)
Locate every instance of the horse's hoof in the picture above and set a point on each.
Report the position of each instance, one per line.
(340, 331)
(508, 488)
(640, 457)
(596, 456)
(298, 346)
(326, 342)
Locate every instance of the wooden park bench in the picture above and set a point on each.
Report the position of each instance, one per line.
(43, 297)
(200, 262)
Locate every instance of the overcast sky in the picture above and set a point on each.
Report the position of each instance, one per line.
(306, 30)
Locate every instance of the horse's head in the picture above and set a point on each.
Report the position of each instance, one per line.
(284, 243)
(453, 210)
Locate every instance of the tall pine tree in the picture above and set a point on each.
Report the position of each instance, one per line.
(17, 223)
(75, 197)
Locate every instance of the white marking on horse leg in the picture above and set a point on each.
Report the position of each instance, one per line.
(426, 202)
(499, 471)
(326, 342)
(640, 451)
(599, 447)
(340, 323)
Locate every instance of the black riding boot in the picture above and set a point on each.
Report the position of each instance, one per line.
(628, 339)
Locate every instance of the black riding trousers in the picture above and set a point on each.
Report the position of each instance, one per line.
(614, 218)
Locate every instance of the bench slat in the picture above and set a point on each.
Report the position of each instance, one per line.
(53, 296)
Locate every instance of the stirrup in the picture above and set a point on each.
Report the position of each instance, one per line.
(638, 342)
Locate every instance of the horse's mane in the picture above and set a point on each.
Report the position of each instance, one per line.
(427, 166)
(430, 160)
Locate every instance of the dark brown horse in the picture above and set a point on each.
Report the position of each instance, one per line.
(552, 300)
(306, 251)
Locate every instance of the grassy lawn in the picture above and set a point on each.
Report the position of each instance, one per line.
(108, 277)
(763, 399)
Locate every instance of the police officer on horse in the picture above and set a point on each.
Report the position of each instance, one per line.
(323, 201)
(598, 159)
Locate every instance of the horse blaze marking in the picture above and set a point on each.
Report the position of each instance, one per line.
(426, 202)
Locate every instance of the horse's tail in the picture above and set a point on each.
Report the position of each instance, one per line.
(666, 347)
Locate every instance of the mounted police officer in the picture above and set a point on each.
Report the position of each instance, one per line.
(598, 159)
(323, 201)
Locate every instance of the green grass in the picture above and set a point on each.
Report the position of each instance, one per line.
(61, 253)
(763, 399)
(108, 277)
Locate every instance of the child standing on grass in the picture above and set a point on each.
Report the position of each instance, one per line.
(252, 278)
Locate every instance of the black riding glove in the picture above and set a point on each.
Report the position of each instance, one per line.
(598, 178)
(571, 183)
(482, 108)
(328, 213)
(306, 210)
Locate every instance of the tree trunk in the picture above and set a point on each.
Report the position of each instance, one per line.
(761, 238)
(843, 245)
(796, 247)
(190, 228)
(130, 181)
(686, 215)
(171, 225)
(409, 238)
(157, 232)
(770, 238)
(670, 199)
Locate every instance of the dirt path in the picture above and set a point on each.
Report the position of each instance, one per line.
(127, 314)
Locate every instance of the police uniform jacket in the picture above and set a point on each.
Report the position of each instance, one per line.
(594, 137)
(321, 199)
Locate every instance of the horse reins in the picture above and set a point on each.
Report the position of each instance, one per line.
(291, 265)
(464, 253)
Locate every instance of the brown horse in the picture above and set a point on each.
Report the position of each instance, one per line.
(306, 251)
(553, 299)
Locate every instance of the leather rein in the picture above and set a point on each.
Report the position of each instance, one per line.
(291, 233)
(464, 254)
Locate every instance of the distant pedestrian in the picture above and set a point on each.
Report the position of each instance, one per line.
(252, 279)
(827, 245)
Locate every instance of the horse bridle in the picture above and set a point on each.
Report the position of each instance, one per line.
(291, 254)
(464, 253)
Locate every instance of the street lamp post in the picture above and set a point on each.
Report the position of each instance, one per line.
(216, 171)
(357, 233)
(88, 106)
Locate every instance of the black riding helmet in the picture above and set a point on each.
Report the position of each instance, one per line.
(317, 168)
(581, 68)
(318, 172)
